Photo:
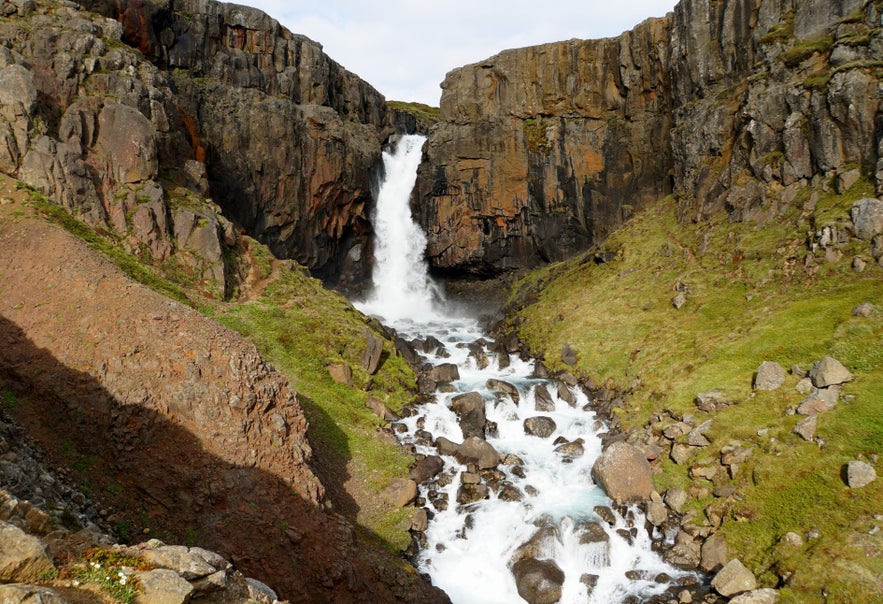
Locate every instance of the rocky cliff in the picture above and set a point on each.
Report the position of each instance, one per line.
(734, 105)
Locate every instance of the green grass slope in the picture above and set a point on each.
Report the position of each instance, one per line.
(752, 295)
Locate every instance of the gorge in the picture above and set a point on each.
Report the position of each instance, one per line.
(672, 218)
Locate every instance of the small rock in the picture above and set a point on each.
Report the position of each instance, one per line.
(18, 593)
(380, 409)
(758, 596)
(568, 355)
(770, 376)
(501, 386)
(540, 426)
(733, 579)
(806, 428)
(714, 554)
(792, 539)
(400, 492)
(859, 474)
(681, 453)
(867, 216)
(656, 513)
(829, 371)
(427, 468)
(543, 401)
(679, 300)
(341, 373)
(712, 401)
(859, 264)
(260, 592)
(624, 473)
(163, 586)
(804, 386)
(676, 498)
(863, 310)
(445, 372)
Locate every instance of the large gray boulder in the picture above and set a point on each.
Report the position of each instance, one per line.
(538, 581)
(859, 474)
(472, 450)
(470, 412)
(22, 557)
(163, 586)
(828, 372)
(540, 426)
(867, 216)
(770, 376)
(624, 473)
(733, 579)
(445, 372)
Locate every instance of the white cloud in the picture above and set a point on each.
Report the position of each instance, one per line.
(405, 47)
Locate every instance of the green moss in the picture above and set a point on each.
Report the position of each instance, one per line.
(804, 49)
(748, 300)
(535, 136)
(419, 110)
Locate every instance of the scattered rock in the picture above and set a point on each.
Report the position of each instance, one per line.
(804, 386)
(770, 376)
(470, 410)
(341, 373)
(679, 300)
(819, 401)
(859, 474)
(540, 426)
(711, 401)
(568, 355)
(501, 386)
(446, 372)
(572, 449)
(656, 513)
(22, 557)
(400, 492)
(163, 586)
(829, 371)
(179, 559)
(18, 593)
(758, 596)
(373, 351)
(867, 216)
(859, 264)
(806, 428)
(471, 493)
(543, 401)
(676, 498)
(792, 539)
(427, 468)
(380, 409)
(624, 473)
(733, 579)
(538, 581)
(472, 450)
(714, 554)
(681, 453)
(863, 310)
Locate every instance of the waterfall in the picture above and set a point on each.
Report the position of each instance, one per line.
(402, 288)
(539, 502)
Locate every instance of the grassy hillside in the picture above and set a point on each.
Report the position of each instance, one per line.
(753, 293)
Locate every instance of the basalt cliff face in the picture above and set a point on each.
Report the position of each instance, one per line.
(732, 106)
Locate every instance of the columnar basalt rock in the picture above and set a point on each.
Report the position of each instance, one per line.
(733, 106)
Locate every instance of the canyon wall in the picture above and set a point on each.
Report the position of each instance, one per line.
(731, 105)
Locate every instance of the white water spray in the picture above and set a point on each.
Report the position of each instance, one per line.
(402, 287)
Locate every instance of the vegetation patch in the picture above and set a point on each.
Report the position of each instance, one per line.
(112, 571)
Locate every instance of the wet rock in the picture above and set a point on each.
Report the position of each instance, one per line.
(18, 593)
(806, 428)
(624, 473)
(370, 358)
(572, 449)
(543, 401)
(565, 394)
(406, 351)
(163, 586)
(470, 410)
(341, 373)
(22, 557)
(829, 371)
(540, 426)
(867, 217)
(538, 581)
(733, 579)
(770, 376)
(471, 493)
(501, 386)
(712, 401)
(509, 492)
(714, 554)
(426, 469)
(472, 450)
(859, 474)
(592, 532)
(605, 513)
(446, 372)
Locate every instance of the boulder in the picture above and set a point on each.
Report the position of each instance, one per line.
(829, 371)
(711, 401)
(260, 592)
(370, 358)
(446, 372)
(18, 593)
(380, 409)
(426, 468)
(127, 140)
(406, 351)
(770, 376)
(22, 556)
(163, 586)
(676, 498)
(806, 428)
(472, 450)
(867, 217)
(471, 493)
(501, 386)
(470, 412)
(859, 474)
(400, 492)
(758, 596)
(733, 579)
(819, 401)
(190, 565)
(538, 581)
(341, 373)
(540, 426)
(543, 401)
(714, 554)
(624, 473)
(572, 449)
(565, 394)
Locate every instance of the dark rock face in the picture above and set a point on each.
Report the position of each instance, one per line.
(732, 106)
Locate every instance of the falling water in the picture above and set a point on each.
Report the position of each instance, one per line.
(547, 498)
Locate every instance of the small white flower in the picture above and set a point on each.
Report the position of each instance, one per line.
(76, 583)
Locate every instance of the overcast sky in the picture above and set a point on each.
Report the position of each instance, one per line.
(405, 47)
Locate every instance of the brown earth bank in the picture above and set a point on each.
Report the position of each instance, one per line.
(735, 106)
(193, 434)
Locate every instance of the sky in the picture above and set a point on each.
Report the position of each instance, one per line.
(404, 48)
